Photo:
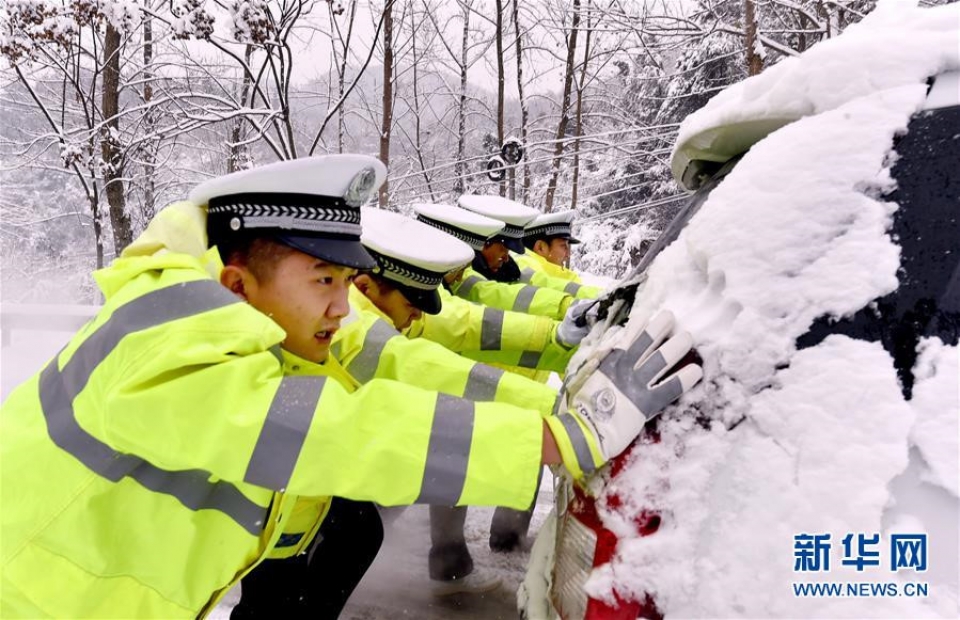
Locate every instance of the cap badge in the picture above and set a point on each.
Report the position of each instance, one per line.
(359, 190)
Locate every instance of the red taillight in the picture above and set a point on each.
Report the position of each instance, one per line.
(583, 544)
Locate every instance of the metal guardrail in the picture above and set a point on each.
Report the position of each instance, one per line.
(42, 317)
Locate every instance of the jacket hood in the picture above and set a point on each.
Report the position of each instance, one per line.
(175, 238)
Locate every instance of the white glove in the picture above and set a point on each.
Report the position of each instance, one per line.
(576, 323)
(627, 388)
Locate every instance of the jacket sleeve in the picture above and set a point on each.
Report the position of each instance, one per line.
(553, 358)
(201, 395)
(466, 326)
(386, 354)
(518, 297)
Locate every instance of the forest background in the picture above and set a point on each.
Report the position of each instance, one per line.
(112, 109)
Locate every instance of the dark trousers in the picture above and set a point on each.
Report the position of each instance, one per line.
(449, 557)
(509, 527)
(319, 583)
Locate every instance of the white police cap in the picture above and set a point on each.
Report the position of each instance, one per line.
(556, 224)
(412, 255)
(467, 226)
(513, 214)
(311, 204)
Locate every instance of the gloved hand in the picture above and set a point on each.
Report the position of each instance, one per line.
(576, 323)
(627, 388)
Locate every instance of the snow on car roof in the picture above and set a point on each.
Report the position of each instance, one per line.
(800, 442)
(894, 45)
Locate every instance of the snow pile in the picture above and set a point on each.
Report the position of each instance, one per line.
(936, 401)
(818, 436)
(895, 44)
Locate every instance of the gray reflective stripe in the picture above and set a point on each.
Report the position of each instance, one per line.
(448, 452)
(579, 441)
(530, 359)
(524, 298)
(491, 330)
(482, 383)
(526, 274)
(58, 389)
(277, 353)
(284, 432)
(364, 366)
(571, 289)
(467, 285)
(335, 349)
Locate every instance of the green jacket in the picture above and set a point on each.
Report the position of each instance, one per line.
(157, 458)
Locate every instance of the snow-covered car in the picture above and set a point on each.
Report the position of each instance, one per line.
(814, 472)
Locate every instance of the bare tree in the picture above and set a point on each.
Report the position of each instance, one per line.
(524, 112)
(341, 58)
(564, 106)
(462, 104)
(109, 142)
(754, 59)
(581, 85)
(387, 109)
(238, 157)
(500, 81)
(148, 151)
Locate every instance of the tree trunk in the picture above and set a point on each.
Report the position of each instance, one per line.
(150, 123)
(94, 200)
(500, 84)
(418, 136)
(238, 158)
(524, 115)
(109, 145)
(564, 108)
(341, 75)
(579, 129)
(387, 94)
(754, 62)
(459, 185)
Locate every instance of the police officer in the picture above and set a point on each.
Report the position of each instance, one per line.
(547, 239)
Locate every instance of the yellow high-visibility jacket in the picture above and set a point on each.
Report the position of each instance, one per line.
(538, 271)
(308, 512)
(157, 458)
(369, 347)
(518, 297)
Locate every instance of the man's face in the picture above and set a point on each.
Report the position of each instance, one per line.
(556, 250)
(305, 296)
(390, 301)
(495, 254)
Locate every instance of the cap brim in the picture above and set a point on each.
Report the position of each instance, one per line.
(426, 300)
(573, 240)
(512, 244)
(346, 252)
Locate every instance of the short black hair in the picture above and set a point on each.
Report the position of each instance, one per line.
(384, 283)
(258, 253)
(529, 242)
